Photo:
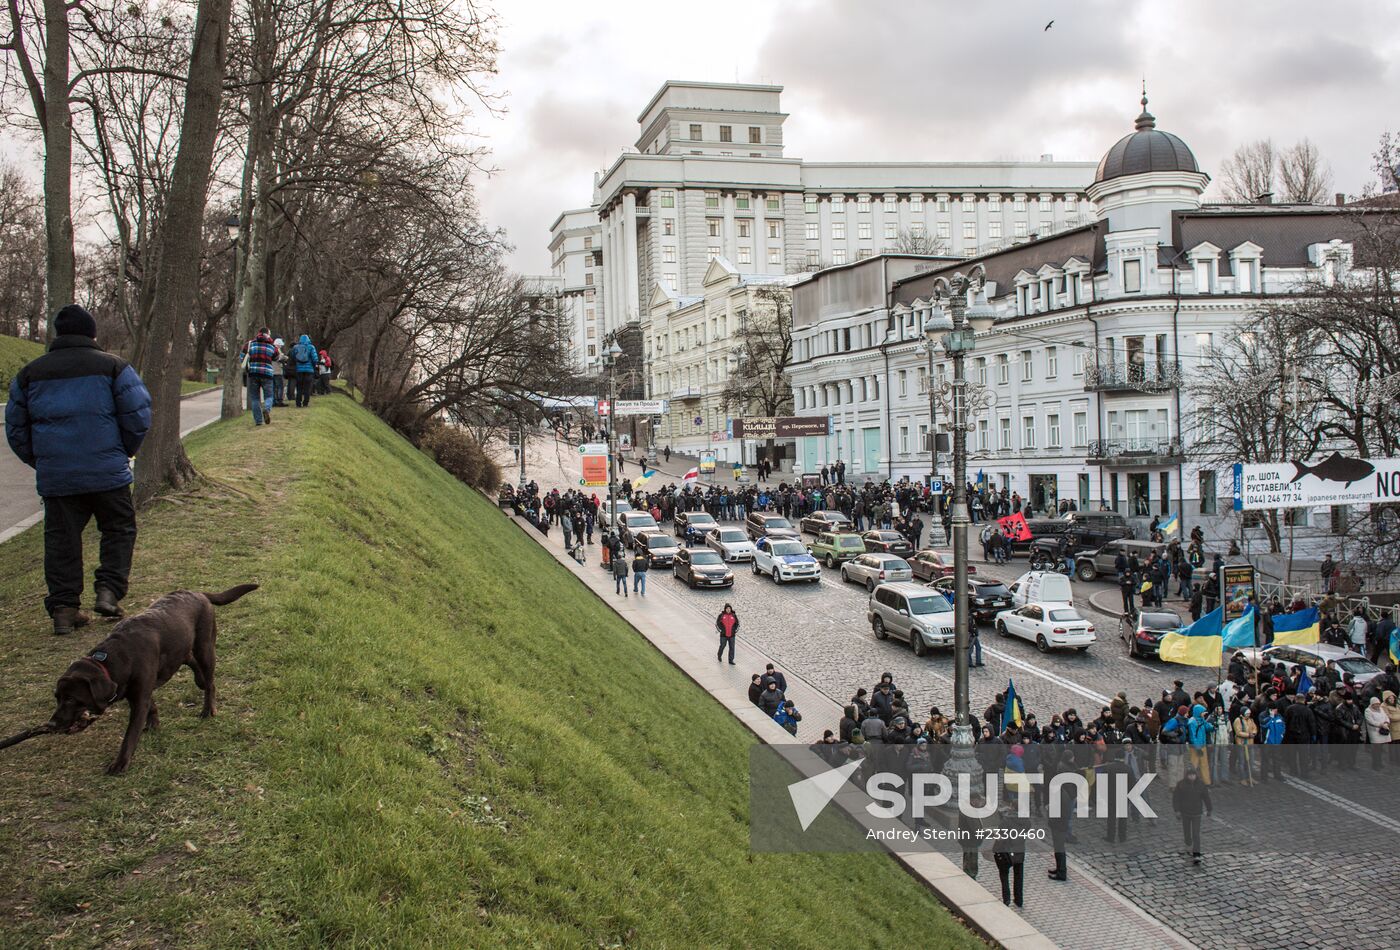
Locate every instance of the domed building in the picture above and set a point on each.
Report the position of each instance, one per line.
(1099, 331)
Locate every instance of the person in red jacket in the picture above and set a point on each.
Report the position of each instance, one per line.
(727, 623)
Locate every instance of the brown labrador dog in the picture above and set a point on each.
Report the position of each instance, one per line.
(141, 654)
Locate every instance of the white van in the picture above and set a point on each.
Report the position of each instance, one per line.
(1041, 587)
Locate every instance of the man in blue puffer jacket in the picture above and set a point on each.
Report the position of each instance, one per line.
(305, 357)
(77, 415)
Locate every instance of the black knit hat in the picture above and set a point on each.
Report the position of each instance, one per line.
(74, 320)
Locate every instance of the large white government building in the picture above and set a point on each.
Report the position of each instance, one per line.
(1099, 328)
(709, 179)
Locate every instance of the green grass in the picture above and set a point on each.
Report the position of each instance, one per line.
(429, 734)
(14, 353)
(188, 386)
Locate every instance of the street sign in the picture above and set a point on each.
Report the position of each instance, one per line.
(936, 486)
(781, 427)
(603, 407)
(641, 407)
(593, 448)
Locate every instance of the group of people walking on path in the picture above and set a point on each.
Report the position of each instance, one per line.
(274, 372)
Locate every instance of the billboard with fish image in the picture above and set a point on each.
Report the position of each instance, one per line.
(1334, 480)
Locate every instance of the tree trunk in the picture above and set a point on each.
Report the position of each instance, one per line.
(162, 461)
(58, 161)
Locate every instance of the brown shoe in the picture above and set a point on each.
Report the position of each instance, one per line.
(68, 619)
(106, 604)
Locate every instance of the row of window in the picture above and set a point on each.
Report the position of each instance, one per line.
(726, 133)
(743, 201)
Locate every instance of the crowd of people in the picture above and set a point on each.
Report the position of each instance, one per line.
(274, 373)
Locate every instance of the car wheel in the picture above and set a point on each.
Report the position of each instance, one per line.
(878, 626)
(1042, 644)
(753, 567)
(1132, 647)
(845, 578)
(916, 641)
(1086, 572)
(1001, 629)
(870, 585)
(776, 578)
(830, 561)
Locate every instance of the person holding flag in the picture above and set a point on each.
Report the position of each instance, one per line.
(690, 477)
(1170, 525)
(1013, 713)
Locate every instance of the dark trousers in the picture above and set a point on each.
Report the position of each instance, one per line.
(1013, 875)
(279, 386)
(722, 641)
(1191, 834)
(65, 517)
(304, 388)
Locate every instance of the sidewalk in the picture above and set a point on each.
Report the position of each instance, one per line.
(1086, 912)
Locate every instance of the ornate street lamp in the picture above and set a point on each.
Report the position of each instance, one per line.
(610, 357)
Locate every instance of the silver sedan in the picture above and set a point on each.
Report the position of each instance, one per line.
(875, 569)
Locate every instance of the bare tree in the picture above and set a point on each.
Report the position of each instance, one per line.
(917, 242)
(22, 255)
(758, 382)
(1303, 174)
(1248, 172)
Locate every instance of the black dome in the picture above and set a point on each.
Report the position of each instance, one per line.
(1149, 149)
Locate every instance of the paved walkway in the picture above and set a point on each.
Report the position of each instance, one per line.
(19, 504)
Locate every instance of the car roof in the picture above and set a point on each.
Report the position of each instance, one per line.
(1052, 605)
(1323, 651)
(883, 556)
(909, 589)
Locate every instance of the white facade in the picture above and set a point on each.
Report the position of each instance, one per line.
(709, 179)
(575, 261)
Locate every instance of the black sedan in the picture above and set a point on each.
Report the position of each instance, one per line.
(1143, 636)
(820, 521)
(887, 542)
(702, 521)
(984, 598)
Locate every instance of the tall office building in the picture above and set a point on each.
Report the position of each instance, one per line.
(708, 178)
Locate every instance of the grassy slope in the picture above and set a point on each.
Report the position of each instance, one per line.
(429, 733)
(14, 353)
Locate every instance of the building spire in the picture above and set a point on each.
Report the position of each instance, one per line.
(1146, 120)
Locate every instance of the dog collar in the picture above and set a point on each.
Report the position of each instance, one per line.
(95, 658)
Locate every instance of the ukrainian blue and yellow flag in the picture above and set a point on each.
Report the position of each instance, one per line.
(643, 478)
(1395, 645)
(1013, 713)
(1240, 631)
(1197, 645)
(1299, 628)
(1172, 525)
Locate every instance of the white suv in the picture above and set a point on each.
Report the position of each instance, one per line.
(785, 559)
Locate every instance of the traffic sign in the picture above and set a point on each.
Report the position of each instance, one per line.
(699, 420)
(603, 407)
(936, 486)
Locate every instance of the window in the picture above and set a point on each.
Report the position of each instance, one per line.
(1079, 362)
(1132, 276)
(941, 203)
(916, 203)
(1045, 204)
(1018, 203)
(774, 203)
(1081, 428)
(994, 202)
(588, 279)
(838, 230)
(1019, 229)
(726, 133)
(864, 252)
(668, 254)
(1028, 432)
(838, 204)
(1025, 366)
(1052, 430)
(1071, 203)
(1052, 362)
(1206, 488)
(1203, 277)
(1205, 345)
(695, 132)
(1005, 443)
(755, 155)
(945, 230)
(741, 201)
(755, 135)
(809, 204)
(994, 229)
(903, 439)
(862, 202)
(969, 231)
(775, 255)
(812, 231)
(668, 226)
(1339, 519)
(712, 226)
(1003, 369)
(982, 432)
(775, 229)
(863, 230)
(712, 199)
(668, 198)
(904, 382)
(891, 230)
(814, 258)
(838, 256)
(712, 252)
(981, 375)
(745, 254)
(587, 243)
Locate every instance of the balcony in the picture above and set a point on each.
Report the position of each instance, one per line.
(1127, 453)
(682, 395)
(1159, 377)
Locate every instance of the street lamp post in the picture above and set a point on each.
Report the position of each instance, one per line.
(931, 333)
(610, 358)
(958, 342)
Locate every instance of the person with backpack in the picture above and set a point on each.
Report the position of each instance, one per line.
(304, 361)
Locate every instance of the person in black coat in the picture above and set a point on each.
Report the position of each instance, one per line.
(850, 723)
(1190, 798)
(755, 689)
(771, 700)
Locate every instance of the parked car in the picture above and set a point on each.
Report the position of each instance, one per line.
(605, 516)
(875, 569)
(702, 521)
(888, 542)
(1144, 634)
(661, 546)
(1042, 586)
(1047, 625)
(820, 521)
(731, 544)
(985, 598)
(630, 522)
(701, 567)
(785, 559)
(765, 524)
(1099, 521)
(911, 612)
(930, 565)
(1339, 659)
(1089, 566)
(832, 549)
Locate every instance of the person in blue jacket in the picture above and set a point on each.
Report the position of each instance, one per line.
(77, 415)
(304, 360)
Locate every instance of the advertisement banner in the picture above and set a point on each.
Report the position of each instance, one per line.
(781, 427)
(640, 407)
(1336, 480)
(707, 463)
(1236, 587)
(595, 471)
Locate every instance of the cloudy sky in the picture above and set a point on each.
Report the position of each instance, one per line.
(929, 80)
